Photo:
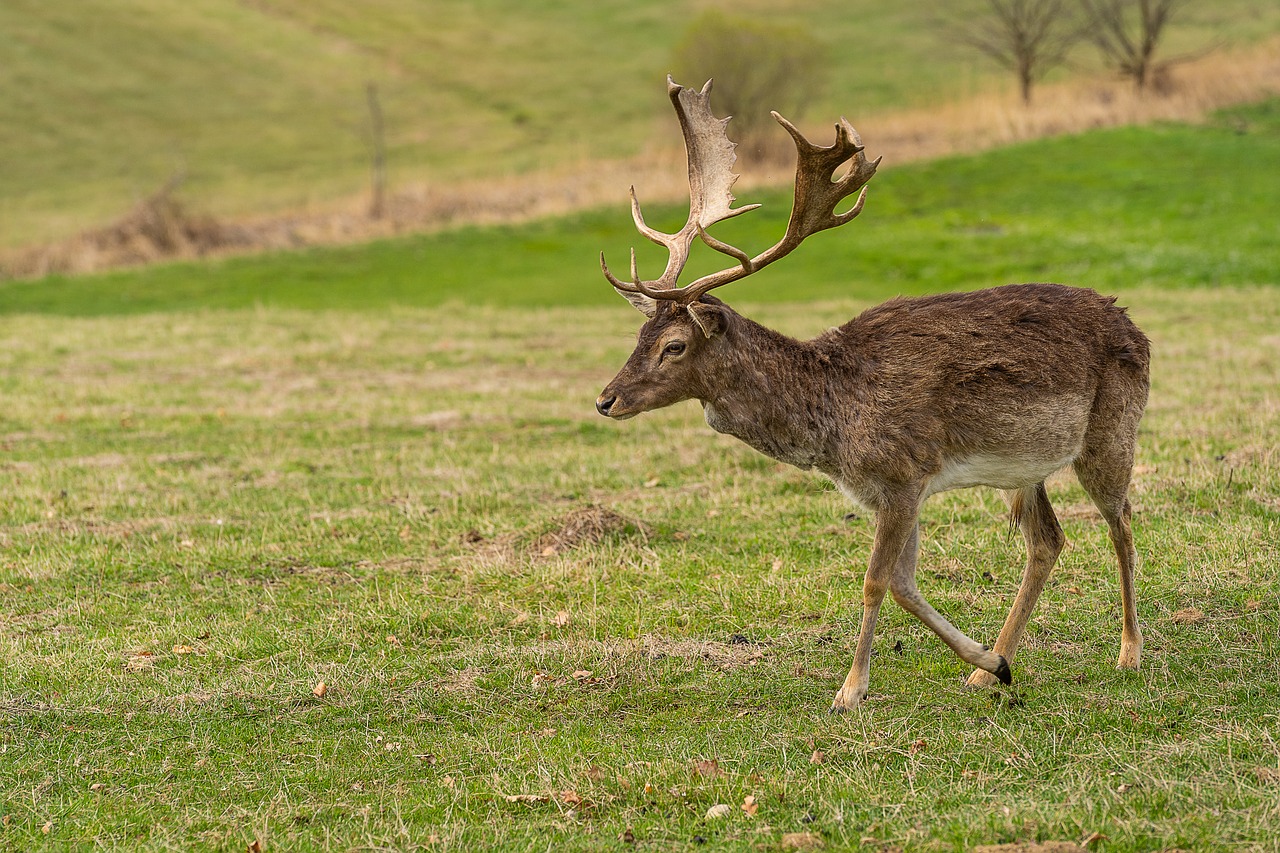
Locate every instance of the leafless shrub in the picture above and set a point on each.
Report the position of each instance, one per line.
(159, 226)
(757, 67)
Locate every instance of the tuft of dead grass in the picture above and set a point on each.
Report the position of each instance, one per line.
(161, 228)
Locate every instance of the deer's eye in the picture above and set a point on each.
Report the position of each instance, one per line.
(674, 348)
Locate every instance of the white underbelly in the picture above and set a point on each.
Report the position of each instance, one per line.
(1002, 472)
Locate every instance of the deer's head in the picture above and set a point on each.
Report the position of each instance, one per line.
(671, 360)
(686, 327)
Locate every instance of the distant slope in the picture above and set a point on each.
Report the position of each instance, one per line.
(1170, 205)
(260, 103)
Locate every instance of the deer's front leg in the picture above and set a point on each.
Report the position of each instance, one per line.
(893, 530)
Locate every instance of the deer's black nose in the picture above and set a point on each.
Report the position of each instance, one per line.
(603, 405)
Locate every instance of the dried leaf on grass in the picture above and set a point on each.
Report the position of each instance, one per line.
(750, 806)
(709, 768)
(719, 810)
(801, 841)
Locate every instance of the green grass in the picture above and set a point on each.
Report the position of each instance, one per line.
(363, 499)
(262, 105)
(1171, 205)
(224, 484)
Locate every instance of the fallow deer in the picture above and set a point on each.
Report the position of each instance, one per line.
(998, 387)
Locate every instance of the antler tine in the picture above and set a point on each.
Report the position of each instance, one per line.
(711, 157)
(633, 286)
(817, 194)
(816, 198)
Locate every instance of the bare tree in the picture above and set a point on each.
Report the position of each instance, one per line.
(1127, 33)
(1028, 37)
(1000, 387)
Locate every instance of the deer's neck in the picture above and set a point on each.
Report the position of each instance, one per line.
(773, 393)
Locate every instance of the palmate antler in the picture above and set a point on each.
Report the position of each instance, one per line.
(711, 177)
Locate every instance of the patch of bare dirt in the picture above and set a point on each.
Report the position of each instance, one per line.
(623, 655)
(100, 528)
(461, 680)
(731, 655)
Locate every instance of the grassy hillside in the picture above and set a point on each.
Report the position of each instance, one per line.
(1170, 205)
(261, 105)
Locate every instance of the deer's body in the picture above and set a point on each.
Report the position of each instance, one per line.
(993, 388)
(998, 387)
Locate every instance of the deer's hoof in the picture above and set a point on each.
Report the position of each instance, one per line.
(1129, 659)
(845, 702)
(1002, 672)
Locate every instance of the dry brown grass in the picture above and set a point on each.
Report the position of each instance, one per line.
(1191, 91)
(159, 228)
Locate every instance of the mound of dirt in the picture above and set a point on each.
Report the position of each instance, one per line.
(587, 526)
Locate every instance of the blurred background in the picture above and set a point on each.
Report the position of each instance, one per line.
(135, 130)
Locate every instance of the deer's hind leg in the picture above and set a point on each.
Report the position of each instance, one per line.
(1033, 513)
(1105, 476)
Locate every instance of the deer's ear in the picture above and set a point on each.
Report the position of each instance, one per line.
(710, 318)
(646, 305)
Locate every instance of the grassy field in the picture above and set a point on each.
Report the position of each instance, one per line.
(225, 485)
(262, 105)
